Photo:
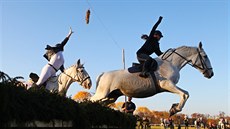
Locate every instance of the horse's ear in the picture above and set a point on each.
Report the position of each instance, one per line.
(200, 44)
(78, 62)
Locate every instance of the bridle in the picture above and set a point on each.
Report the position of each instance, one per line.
(80, 79)
(203, 67)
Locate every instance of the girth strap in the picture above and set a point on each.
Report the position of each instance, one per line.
(155, 82)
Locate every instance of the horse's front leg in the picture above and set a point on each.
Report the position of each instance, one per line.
(171, 87)
(183, 98)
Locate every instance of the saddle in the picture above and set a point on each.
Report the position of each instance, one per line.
(137, 67)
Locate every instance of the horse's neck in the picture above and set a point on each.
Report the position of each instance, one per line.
(184, 55)
(65, 79)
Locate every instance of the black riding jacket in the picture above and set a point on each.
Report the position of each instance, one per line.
(151, 45)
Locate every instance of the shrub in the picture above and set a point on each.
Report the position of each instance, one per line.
(37, 104)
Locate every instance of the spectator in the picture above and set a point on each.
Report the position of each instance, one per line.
(197, 123)
(171, 125)
(186, 122)
(129, 106)
(145, 123)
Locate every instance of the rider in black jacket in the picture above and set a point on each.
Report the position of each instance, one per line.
(150, 46)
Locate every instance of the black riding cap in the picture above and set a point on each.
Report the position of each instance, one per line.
(57, 46)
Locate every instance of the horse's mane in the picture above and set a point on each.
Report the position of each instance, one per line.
(188, 48)
(181, 48)
(184, 47)
(73, 65)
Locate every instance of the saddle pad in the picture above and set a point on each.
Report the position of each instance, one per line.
(137, 68)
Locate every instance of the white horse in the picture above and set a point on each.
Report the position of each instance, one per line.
(111, 85)
(75, 73)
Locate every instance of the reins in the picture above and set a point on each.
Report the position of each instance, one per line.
(167, 52)
(204, 66)
(77, 80)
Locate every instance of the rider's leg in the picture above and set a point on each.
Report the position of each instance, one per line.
(46, 72)
(56, 61)
(153, 65)
(144, 59)
(146, 67)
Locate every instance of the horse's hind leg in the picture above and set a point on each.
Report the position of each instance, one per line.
(100, 94)
(184, 95)
(112, 97)
(107, 98)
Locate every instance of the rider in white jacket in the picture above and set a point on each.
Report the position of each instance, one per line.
(55, 58)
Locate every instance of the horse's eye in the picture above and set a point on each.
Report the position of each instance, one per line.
(205, 56)
(80, 70)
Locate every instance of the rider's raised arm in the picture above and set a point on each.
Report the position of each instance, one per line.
(155, 26)
(63, 43)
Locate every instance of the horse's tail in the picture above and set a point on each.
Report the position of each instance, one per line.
(98, 79)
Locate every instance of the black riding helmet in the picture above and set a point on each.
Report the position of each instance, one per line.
(57, 46)
(158, 33)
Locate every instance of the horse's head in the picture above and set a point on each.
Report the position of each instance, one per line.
(202, 62)
(81, 76)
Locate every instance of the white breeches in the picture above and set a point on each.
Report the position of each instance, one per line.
(57, 60)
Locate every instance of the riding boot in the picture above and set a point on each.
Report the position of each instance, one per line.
(153, 65)
(34, 77)
(146, 69)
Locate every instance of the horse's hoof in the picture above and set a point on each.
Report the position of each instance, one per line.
(172, 112)
(173, 109)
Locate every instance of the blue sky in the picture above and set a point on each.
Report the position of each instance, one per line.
(27, 26)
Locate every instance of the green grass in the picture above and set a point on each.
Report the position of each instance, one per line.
(160, 127)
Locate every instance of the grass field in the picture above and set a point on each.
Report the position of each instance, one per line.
(160, 127)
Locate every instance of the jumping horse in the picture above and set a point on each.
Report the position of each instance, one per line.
(113, 84)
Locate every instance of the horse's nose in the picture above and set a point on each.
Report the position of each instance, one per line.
(89, 85)
(212, 74)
